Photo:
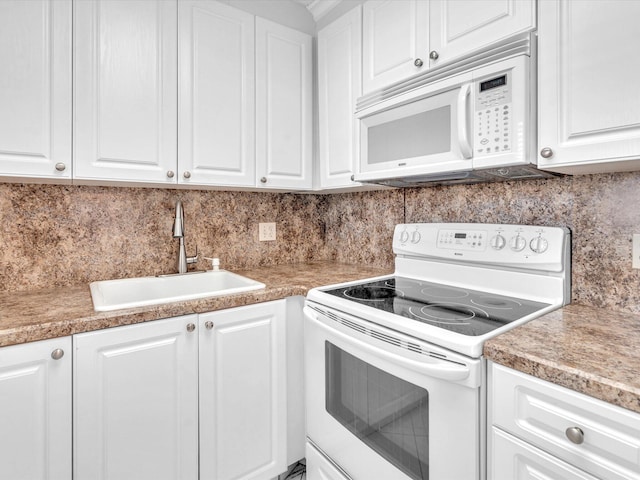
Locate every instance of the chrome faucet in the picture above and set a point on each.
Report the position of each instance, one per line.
(178, 232)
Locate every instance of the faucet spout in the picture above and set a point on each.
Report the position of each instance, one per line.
(178, 221)
(178, 232)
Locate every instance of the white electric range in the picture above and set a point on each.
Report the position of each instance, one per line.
(395, 374)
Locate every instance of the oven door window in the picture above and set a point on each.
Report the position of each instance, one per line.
(387, 413)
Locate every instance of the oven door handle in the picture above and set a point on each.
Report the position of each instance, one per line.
(442, 369)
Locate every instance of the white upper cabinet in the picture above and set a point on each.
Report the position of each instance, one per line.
(216, 128)
(125, 90)
(283, 107)
(35, 410)
(339, 86)
(395, 41)
(588, 100)
(35, 90)
(402, 38)
(461, 26)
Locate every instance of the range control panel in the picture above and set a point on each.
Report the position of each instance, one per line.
(509, 245)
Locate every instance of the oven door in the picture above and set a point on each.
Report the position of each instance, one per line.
(382, 405)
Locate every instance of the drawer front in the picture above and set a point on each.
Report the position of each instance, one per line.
(513, 459)
(541, 413)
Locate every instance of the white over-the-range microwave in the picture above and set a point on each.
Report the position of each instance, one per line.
(470, 121)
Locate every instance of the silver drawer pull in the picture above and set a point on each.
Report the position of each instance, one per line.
(575, 434)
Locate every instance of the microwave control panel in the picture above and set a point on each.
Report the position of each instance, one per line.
(493, 113)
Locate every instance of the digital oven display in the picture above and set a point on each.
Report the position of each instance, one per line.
(460, 235)
(493, 83)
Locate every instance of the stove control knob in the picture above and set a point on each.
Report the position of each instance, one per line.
(539, 244)
(415, 237)
(404, 237)
(517, 243)
(498, 242)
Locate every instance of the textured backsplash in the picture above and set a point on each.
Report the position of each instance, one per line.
(55, 236)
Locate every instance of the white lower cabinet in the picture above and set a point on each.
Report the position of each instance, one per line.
(541, 430)
(136, 402)
(35, 410)
(243, 408)
(517, 460)
(192, 397)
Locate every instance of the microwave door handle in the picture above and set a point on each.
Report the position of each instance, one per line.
(463, 131)
(442, 369)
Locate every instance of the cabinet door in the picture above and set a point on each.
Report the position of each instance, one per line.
(283, 107)
(339, 86)
(243, 409)
(459, 27)
(35, 90)
(395, 41)
(513, 459)
(35, 410)
(588, 102)
(136, 402)
(551, 417)
(125, 90)
(216, 102)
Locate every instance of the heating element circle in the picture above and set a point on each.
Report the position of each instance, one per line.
(447, 313)
(496, 302)
(373, 293)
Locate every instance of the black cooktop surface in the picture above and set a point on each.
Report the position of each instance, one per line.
(464, 311)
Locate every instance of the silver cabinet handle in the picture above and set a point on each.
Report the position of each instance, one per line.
(433, 55)
(208, 325)
(57, 354)
(575, 435)
(61, 167)
(418, 62)
(170, 174)
(263, 180)
(186, 174)
(191, 327)
(546, 152)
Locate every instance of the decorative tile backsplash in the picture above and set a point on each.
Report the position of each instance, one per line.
(55, 236)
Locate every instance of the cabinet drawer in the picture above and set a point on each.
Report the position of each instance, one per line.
(513, 459)
(541, 413)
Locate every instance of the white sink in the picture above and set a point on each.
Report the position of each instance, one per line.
(137, 292)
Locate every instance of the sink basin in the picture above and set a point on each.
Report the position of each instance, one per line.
(137, 292)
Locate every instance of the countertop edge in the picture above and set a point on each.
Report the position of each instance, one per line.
(45, 314)
(585, 349)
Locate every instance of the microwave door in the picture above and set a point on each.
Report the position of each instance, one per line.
(427, 135)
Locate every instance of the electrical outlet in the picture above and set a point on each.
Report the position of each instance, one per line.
(635, 251)
(266, 232)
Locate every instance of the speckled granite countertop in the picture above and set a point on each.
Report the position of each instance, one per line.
(589, 350)
(38, 315)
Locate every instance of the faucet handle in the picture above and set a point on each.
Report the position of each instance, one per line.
(193, 259)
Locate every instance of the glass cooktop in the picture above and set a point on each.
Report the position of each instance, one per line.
(464, 311)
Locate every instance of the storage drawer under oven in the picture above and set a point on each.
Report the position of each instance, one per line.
(598, 437)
